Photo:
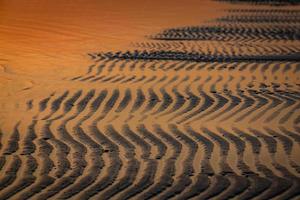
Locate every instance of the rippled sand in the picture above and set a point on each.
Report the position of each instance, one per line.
(149, 100)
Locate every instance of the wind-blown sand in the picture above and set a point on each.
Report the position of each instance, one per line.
(151, 100)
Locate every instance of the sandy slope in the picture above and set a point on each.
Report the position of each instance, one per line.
(205, 107)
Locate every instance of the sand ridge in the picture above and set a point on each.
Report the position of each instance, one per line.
(194, 112)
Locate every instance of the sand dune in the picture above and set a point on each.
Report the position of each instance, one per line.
(194, 112)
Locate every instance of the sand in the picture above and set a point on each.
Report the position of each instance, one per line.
(152, 100)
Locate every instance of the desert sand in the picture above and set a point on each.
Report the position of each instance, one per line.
(149, 99)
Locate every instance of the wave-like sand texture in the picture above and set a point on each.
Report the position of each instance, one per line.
(198, 112)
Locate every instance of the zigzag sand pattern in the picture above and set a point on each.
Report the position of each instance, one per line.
(153, 123)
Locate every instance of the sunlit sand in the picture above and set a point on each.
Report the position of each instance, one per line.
(149, 99)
